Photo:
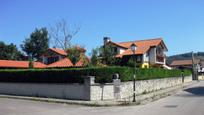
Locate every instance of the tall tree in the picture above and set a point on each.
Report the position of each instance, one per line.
(95, 57)
(36, 44)
(62, 34)
(108, 55)
(9, 52)
(75, 53)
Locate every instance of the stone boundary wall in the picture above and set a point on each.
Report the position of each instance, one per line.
(89, 90)
(61, 91)
(106, 91)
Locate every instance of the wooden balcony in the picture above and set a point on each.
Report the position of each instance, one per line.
(160, 58)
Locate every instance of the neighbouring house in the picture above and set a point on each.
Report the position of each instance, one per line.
(186, 64)
(53, 58)
(150, 52)
(53, 55)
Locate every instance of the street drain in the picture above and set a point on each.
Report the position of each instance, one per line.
(171, 106)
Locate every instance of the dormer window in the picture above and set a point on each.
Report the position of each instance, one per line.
(133, 48)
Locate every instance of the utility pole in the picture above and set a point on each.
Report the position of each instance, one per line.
(193, 67)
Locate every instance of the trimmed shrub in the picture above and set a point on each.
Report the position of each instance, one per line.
(76, 75)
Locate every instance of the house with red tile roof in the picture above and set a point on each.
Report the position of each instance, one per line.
(53, 55)
(150, 52)
(57, 58)
(53, 58)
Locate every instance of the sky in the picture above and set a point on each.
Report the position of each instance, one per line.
(179, 22)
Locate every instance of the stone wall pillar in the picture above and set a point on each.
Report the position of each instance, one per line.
(88, 81)
(117, 87)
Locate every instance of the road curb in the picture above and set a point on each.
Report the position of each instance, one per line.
(140, 99)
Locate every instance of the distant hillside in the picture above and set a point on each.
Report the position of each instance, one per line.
(198, 55)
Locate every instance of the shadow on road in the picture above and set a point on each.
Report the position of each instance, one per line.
(198, 91)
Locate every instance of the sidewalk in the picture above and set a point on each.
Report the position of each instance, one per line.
(140, 99)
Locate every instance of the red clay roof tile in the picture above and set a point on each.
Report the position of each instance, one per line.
(13, 64)
(39, 65)
(20, 64)
(59, 51)
(142, 46)
(183, 62)
(61, 63)
(80, 63)
(139, 50)
(142, 43)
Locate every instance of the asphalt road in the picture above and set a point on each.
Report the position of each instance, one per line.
(190, 101)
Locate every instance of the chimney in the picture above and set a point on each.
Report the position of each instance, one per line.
(106, 40)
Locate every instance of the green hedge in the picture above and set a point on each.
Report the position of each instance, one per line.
(76, 75)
